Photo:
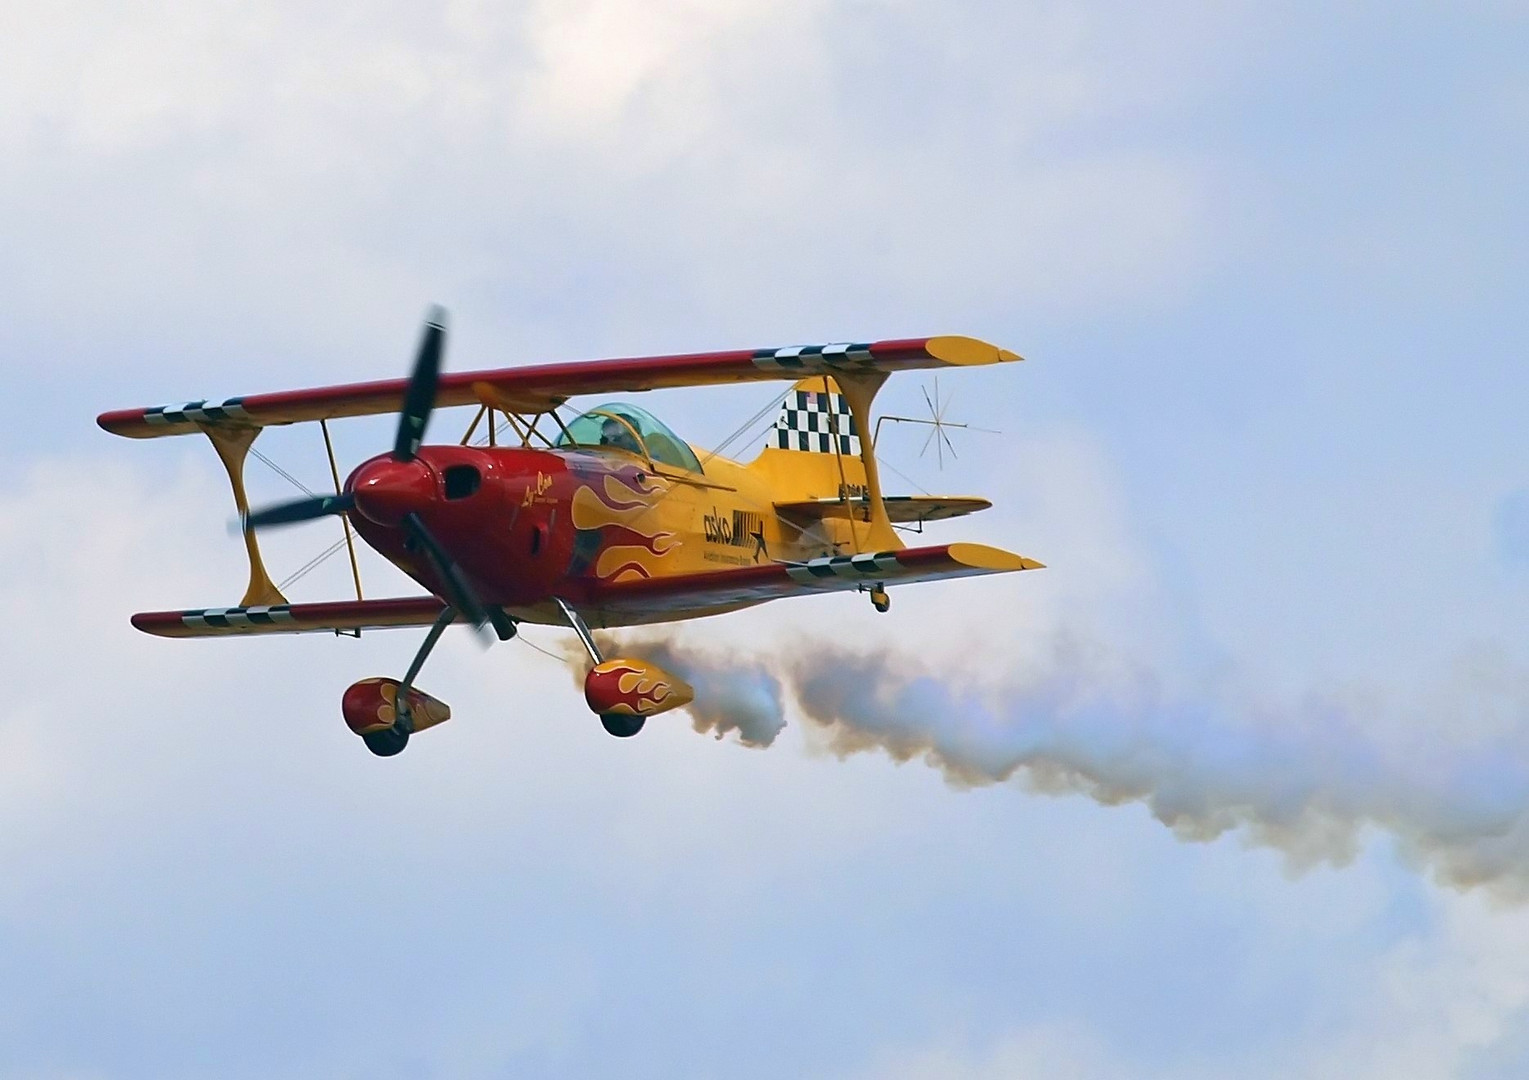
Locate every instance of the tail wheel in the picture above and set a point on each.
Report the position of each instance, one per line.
(623, 727)
(387, 742)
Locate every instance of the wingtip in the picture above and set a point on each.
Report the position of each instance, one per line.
(120, 421)
(991, 559)
(959, 351)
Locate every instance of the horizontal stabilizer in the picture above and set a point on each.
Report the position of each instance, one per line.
(901, 509)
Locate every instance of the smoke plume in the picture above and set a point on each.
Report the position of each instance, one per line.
(732, 693)
(1309, 779)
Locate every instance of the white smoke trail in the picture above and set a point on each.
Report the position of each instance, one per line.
(731, 693)
(1308, 780)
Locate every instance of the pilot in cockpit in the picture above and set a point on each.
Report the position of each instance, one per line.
(614, 433)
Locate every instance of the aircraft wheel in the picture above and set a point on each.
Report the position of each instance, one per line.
(623, 727)
(387, 742)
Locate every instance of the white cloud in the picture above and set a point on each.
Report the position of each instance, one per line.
(312, 177)
(200, 861)
(1449, 1003)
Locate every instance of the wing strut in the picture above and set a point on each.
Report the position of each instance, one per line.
(350, 543)
(233, 446)
(859, 389)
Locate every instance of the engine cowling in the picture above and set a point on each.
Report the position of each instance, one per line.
(371, 705)
(626, 687)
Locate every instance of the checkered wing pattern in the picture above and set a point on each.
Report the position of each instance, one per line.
(656, 599)
(292, 618)
(817, 422)
(533, 388)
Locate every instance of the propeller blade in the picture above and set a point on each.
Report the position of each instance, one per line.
(300, 510)
(419, 399)
(459, 594)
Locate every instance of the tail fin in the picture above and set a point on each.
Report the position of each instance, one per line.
(815, 419)
(816, 452)
(813, 450)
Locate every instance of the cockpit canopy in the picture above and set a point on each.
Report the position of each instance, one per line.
(619, 426)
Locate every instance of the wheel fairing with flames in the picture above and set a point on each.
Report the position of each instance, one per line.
(634, 688)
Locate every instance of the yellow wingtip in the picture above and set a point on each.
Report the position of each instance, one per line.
(968, 352)
(994, 560)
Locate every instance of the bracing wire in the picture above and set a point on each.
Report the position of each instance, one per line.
(311, 565)
(279, 471)
(560, 659)
(902, 475)
(745, 427)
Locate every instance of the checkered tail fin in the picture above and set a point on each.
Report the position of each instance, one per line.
(815, 419)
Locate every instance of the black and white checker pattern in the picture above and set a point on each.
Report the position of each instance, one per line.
(817, 422)
(867, 565)
(813, 359)
(196, 412)
(235, 618)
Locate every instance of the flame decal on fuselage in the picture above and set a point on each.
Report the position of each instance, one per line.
(626, 550)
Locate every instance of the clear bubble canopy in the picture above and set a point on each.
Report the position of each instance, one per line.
(619, 426)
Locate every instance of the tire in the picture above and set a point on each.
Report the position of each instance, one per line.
(387, 742)
(623, 727)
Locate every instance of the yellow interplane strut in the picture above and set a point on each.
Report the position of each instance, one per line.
(233, 447)
(859, 389)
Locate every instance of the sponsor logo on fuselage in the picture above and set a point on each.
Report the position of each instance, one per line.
(536, 491)
(740, 528)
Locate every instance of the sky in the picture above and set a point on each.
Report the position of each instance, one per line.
(1238, 785)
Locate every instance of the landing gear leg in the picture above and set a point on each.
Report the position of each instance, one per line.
(503, 625)
(390, 741)
(622, 727)
(581, 628)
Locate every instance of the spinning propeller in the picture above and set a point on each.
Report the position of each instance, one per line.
(387, 490)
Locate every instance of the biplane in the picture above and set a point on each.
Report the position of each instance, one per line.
(597, 520)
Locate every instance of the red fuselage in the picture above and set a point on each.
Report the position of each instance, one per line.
(504, 514)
